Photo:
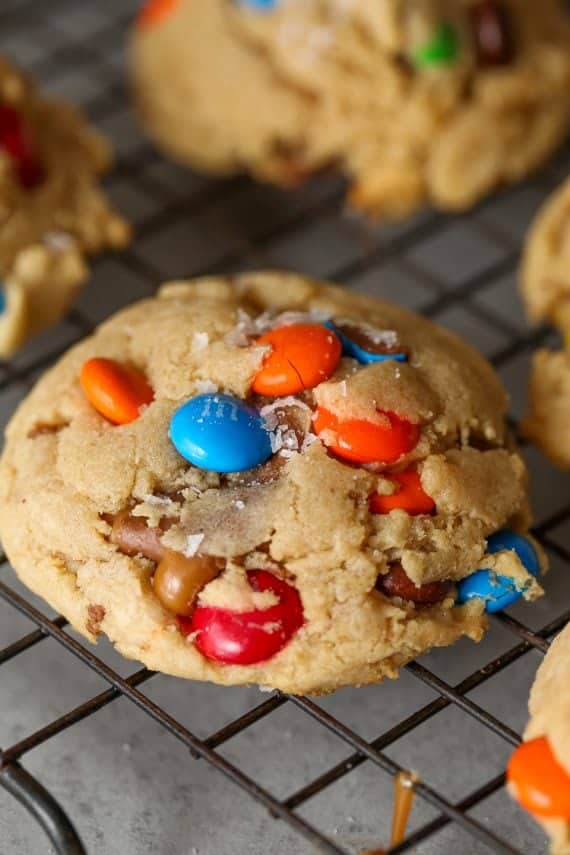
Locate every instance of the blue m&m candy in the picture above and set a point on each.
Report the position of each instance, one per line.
(220, 433)
(259, 4)
(498, 592)
(365, 344)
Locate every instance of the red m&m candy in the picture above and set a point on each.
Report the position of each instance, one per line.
(14, 141)
(363, 441)
(302, 356)
(409, 496)
(538, 781)
(245, 638)
(115, 390)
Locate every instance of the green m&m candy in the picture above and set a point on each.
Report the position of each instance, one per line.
(441, 49)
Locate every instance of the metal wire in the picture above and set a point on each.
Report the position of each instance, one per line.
(254, 244)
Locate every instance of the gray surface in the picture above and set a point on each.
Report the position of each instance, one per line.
(129, 786)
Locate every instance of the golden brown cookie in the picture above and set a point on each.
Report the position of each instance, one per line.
(413, 100)
(539, 772)
(545, 284)
(53, 212)
(269, 480)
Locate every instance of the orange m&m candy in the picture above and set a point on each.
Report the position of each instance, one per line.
(115, 390)
(362, 441)
(154, 11)
(538, 781)
(409, 496)
(302, 356)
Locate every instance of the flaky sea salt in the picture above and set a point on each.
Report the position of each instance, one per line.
(59, 241)
(193, 542)
(239, 504)
(200, 341)
(248, 328)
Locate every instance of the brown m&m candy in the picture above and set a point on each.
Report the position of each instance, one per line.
(493, 33)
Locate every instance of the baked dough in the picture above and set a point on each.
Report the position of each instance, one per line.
(546, 291)
(67, 472)
(53, 214)
(550, 716)
(396, 95)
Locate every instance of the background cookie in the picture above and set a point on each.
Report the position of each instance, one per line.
(434, 100)
(539, 772)
(321, 534)
(545, 284)
(53, 210)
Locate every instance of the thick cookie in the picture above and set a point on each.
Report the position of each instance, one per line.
(52, 209)
(266, 479)
(412, 100)
(539, 772)
(546, 291)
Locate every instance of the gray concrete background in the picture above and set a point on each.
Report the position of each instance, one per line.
(130, 787)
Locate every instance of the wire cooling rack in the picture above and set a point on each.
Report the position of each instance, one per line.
(83, 731)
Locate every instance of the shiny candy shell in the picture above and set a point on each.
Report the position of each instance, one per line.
(155, 11)
(245, 638)
(220, 433)
(441, 49)
(116, 390)
(537, 780)
(355, 350)
(499, 592)
(263, 5)
(301, 357)
(362, 441)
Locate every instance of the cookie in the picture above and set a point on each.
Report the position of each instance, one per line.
(412, 100)
(265, 479)
(53, 211)
(539, 771)
(546, 290)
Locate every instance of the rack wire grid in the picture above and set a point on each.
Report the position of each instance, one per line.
(91, 741)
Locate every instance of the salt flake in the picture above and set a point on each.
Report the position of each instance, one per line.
(193, 542)
(200, 341)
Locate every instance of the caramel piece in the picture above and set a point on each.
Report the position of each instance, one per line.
(178, 580)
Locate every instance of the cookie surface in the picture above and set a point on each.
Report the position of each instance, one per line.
(126, 501)
(550, 718)
(435, 100)
(55, 213)
(545, 283)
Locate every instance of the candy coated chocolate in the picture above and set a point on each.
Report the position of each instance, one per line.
(442, 49)
(538, 781)
(220, 433)
(499, 592)
(245, 638)
(493, 33)
(363, 354)
(259, 4)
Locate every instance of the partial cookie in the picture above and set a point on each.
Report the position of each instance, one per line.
(413, 100)
(52, 209)
(546, 290)
(539, 771)
(269, 480)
